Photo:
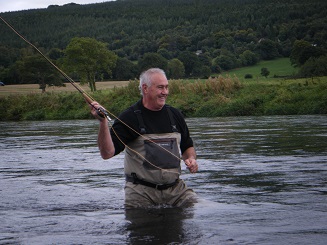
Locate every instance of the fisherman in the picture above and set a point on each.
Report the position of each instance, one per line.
(153, 136)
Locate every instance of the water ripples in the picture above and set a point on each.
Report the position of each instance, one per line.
(262, 180)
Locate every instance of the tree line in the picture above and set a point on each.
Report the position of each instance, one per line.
(187, 38)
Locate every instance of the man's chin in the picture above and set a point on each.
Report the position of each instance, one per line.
(161, 104)
(161, 101)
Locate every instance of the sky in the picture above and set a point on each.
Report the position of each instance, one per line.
(17, 5)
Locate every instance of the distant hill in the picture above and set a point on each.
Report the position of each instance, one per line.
(231, 33)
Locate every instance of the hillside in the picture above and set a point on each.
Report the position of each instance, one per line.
(225, 34)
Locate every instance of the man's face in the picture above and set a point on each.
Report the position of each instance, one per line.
(154, 97)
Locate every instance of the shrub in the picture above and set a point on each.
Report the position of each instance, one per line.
(248, 76)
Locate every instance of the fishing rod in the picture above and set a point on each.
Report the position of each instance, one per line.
(102, 112)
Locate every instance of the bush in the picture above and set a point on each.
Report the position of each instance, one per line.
(248, 76)
(314, 67)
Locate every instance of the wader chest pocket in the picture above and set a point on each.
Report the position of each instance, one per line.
(162, 153)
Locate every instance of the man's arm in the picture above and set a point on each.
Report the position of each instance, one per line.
(105, 144)
(189, 157)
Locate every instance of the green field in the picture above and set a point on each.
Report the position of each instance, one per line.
(278, 67)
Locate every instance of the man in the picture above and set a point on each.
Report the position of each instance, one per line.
(153, 135)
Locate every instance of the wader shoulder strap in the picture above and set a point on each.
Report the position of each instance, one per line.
(171, 118)
(137, 111)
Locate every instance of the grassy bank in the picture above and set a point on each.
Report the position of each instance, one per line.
(227, 95)
(221, 96)
(268, 97)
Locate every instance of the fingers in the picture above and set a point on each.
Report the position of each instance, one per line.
(192, 165)
(95, 108)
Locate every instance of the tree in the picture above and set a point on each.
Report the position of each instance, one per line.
(267, 49)
(125, 70)
(35, 69)
(303, 51)
(150, 60)
(174, 42)
(265, 72)
(202, 71)
(89, 58)
(55, 54)
(190, 60)
(248, 58)
(165, 53)
(175, 69)
(8, 56)
(224, 62)
(314, 67)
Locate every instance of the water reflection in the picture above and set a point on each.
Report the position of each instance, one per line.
(161, 225)
(262, 180)
(267, 136)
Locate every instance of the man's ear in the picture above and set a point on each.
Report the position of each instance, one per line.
(145, 88)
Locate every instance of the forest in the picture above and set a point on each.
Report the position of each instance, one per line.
(186, 38)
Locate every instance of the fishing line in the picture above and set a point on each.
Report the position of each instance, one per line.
(79, 89)
(101, 111)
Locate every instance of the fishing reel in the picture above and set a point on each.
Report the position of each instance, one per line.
(103, 113)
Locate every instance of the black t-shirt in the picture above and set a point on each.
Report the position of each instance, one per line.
(155, 122)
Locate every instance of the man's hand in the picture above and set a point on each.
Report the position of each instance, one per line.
(191, 165)
(95, 110)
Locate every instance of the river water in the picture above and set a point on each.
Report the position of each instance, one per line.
(262, 180)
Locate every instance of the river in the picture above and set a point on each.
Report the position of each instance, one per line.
(261, 180)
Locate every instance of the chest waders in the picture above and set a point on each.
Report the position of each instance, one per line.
(153, 179)
(159, 167)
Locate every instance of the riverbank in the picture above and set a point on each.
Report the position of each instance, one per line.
(220, 96)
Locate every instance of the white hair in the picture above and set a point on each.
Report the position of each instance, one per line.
(145, 77)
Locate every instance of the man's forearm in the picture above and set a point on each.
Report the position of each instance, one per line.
(105, 144)
(189, 153)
